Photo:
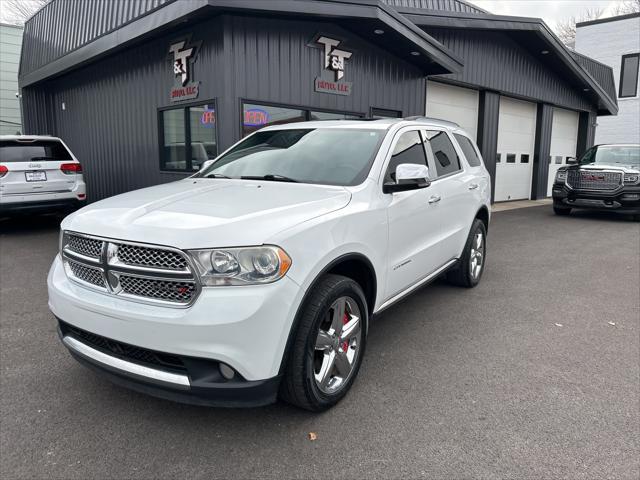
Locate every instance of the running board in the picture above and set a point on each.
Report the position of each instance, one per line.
(415, 286)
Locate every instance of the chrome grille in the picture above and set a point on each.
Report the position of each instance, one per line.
(85, 246)
(151, 257)
(143, 273)
(86, 274)
(167, 290)
(594, 180)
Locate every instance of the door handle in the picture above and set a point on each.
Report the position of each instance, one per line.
(473, 186)
(434, 198)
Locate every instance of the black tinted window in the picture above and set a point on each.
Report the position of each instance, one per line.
(409, 149)
(445, 156)
(39, 150)
(468, 150)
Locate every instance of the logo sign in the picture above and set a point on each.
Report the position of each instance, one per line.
(183, 54)
(333, 67)
(255, 117)
(208, 118)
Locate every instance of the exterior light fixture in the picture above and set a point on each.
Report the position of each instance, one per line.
(415, 54)
(378, 31)
(544, 52)
(586, 89)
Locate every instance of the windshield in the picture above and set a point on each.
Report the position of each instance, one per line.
(328, 156)
(612, 154)
(28, 150)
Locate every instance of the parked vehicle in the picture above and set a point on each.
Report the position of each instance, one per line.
(607, 177)
(259, 274)
(39, 174)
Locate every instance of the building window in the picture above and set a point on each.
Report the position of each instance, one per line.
(524, 158)
(629, 75)
(188, 137)
(385, 113)
(511, 158)
(255, 116)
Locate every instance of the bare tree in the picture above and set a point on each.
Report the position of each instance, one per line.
(566, 29)
(627, 6)
(18, 11)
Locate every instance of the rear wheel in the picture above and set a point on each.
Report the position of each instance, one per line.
(561, 210)
(328, 346)
(468, 271)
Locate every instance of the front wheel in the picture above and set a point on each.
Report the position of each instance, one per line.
(328, 345)
(468, 271)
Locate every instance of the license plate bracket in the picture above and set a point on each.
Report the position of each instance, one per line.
(37, 176)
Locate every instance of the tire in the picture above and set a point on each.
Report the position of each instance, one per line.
(561, 210)
(464, 274)
(304, 384)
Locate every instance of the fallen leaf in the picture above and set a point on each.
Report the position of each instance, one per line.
(558, 324)
(613, 324)
(312, 436)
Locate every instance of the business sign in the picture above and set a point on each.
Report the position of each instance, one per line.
(255, 117)
(333, 67)
(183, 55)
(208, 118)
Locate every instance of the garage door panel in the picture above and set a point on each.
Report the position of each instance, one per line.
(564, 138)
(455, 104)
(516, 137)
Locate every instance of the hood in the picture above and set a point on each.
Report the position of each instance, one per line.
(633, 168)
(205, 213)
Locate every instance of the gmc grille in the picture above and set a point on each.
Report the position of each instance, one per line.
(594, 180)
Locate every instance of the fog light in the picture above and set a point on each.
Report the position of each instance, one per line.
(226, 371)
(631, 196)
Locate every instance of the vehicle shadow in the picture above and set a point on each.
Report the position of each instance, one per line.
(30, 223)
(601, 216)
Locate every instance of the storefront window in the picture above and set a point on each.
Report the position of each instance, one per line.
(256, 116)
(188, 137)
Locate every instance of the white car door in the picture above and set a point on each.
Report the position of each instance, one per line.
(414, 220)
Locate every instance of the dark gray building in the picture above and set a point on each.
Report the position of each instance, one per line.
(144, 91)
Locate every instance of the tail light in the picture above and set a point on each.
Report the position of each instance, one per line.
(70, 168)
(3, 171)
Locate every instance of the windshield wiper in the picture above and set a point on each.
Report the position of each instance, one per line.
(270, 176)
(215, 175)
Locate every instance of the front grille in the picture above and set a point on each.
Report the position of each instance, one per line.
(87, 274)
(166, 290)
(594, 180)
(151, 257)
(85, 246)
(145, 273)
(130, 352)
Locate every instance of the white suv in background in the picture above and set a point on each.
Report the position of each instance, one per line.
(39, 173)
(259, 275)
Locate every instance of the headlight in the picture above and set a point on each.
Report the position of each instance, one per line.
(241, 266)
(631, 178)
(561, 175)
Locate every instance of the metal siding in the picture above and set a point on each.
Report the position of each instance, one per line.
(488, 117)
(601, 73)
(111, 124)
(443, 5)
(495, 61)
(62, 26)
(544, 123)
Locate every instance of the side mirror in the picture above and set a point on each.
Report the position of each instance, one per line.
(409, 176)
(206, 164)
(571, 161)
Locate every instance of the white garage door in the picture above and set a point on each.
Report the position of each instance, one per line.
(516, 137)
(455, 104)
(564, 137)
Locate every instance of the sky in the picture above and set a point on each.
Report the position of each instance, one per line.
(551, 11)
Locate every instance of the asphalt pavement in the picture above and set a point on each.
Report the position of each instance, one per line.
(533, 374)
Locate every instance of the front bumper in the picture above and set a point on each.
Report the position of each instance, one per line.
(244, 327)
(625, 200)
(55, 205)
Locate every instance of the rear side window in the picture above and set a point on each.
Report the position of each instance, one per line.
(38, 150)
(469, 151)
(408, 149)
(444, 155)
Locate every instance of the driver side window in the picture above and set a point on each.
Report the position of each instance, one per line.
(408, 149)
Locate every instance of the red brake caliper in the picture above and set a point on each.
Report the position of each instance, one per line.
(345, 345)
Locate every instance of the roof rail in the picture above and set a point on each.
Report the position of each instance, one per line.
(432, 119)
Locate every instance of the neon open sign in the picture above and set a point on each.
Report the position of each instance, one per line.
(208, 118)
(255, 117)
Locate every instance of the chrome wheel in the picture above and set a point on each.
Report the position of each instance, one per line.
(477, 255)
(337, 345)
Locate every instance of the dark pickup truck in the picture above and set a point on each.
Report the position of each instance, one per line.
(607, 177)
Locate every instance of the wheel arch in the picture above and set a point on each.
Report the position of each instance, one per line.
(352, 265)
(483, 216)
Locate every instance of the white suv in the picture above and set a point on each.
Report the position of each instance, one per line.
(39, 173)
(259, 275)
